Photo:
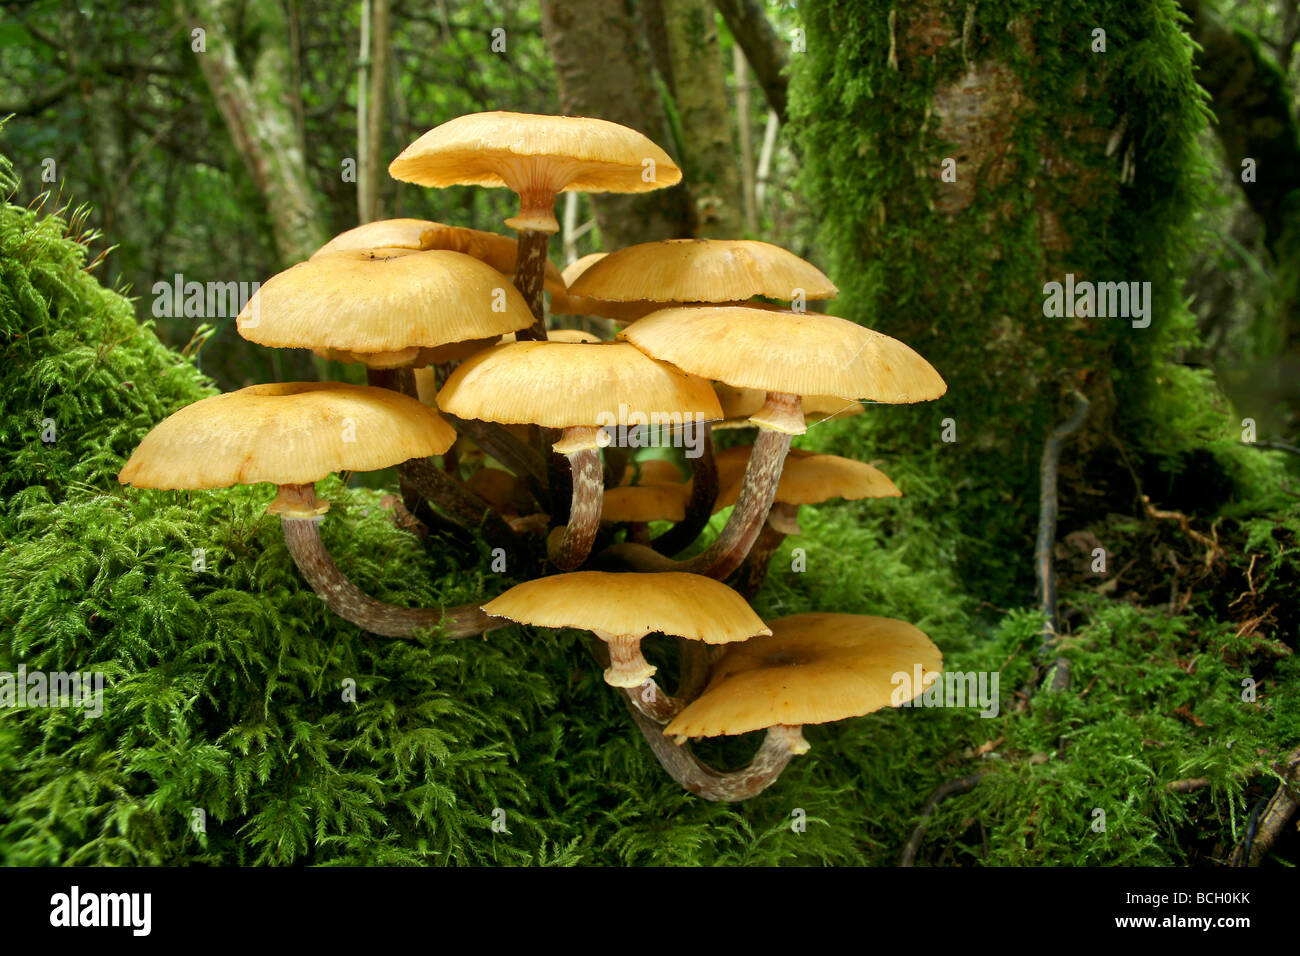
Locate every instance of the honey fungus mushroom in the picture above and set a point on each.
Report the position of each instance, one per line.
(812, 669)
(621, 609)
(536, 157)
(578, 388)
(806, 479)
(701, 271)
(787, 355)
(292, 435)
(386, 308)
(419, 235)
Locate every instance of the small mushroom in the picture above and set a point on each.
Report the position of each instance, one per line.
(805, 480)
(700, 271)
(293, 434)
(812, 669)
(500, 252)
(620, 609)
(386, 308)
(537, 157)
(787, 355)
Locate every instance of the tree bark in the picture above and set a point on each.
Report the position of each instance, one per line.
(605, 69)
(709, 150)
(259, 115)
(956, 176)
(766, 52)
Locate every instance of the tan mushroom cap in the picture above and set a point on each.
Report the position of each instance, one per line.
(813, 669)
(701, 270)
(644, 503)
(654, 471)
(563, 385)
(537, 157)
(502, 490)
(422, 234)
(383, 302)
(285, 433)
(799, 353)
(580, 265)
(813, 479)
(633, 605)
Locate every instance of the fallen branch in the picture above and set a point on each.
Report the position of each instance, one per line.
(1279, 809)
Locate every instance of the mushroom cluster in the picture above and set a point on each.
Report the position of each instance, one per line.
(526, 435)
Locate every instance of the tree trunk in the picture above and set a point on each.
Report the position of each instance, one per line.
(604, 67)
(1061, 163)
(707, 144)
(259, 114)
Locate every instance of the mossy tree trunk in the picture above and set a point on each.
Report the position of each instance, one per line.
(1067, 150)
(253, 100)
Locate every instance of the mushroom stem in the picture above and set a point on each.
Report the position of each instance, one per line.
(627, 667)
(567, 548)
(695, 662)
(781, 521)
(654, 703)
(704, 491)
(456, 501)
(530, 272)
(302, 536)
(501, 445)
(762, 476)
(779, 745)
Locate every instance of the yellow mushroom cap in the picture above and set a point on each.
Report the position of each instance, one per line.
(800, 353)
(286, 433)
(813, 669)
(580, 265)
(816, 478)
(525, 151)
(498, 251)
(701, 270)
(644, 503)
(383, 302)
(562, 385)
(502, 490)
(632, 605)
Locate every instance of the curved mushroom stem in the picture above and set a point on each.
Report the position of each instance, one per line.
(302, 537)
(779, 745)
(695, 663)
(704, 491)
(517, 456)
(781, 521)
(567, 548)
(780, 418)
(530, 272)
(456, 501)
(654, 703)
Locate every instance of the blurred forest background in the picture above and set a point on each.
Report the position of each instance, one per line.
(232, 167)
(224, 141)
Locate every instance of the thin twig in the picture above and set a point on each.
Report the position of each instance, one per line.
(941, 793)
(1048, 507)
